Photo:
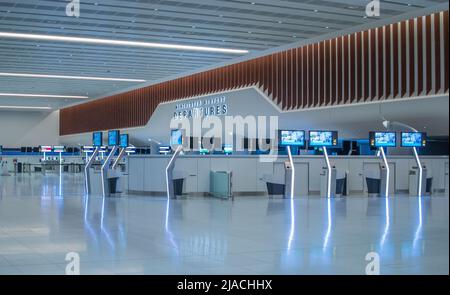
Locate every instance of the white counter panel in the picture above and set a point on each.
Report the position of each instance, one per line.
(203, 172)
(136, 177)
(147, 173)
(155, 175)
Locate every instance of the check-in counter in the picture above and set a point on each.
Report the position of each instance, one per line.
(147, 172)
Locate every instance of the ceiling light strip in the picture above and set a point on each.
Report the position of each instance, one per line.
(119, 43)
(70, 77)
(42, 95)
(25, 107)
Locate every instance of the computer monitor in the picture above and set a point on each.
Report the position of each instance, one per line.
(1, 149)
(113, 137)
(59, 149)
(176, 137)
(382, 139)
(292, 138)
(323, 138)
(97, 139)
(124, 141)
(414, 139)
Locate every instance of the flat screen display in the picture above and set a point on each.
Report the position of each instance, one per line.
(323, 138)
(414, 139)
(113, 137)
(383, 139)
(59, 149)
(97, 139)
(124, 140)
(176, 137)
(292, 138)
(45, 149)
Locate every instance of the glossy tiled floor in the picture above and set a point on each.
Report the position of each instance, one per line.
(41, 221)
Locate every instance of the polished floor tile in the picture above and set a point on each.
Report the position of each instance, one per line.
(42, 218)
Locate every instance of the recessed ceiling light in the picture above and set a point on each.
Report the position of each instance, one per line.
(315, 10)
(119, 43)
(25, 107)
(69, 77)
(42, 95)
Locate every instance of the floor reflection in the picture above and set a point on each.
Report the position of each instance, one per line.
(45, 217)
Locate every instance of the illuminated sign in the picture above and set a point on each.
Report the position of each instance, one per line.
(45, 149)
(59, 149)
(216, 106)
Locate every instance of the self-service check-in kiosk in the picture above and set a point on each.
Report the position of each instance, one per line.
(110, 172)
(325, 139)
(379, 185)
(419, 182)
(174, 184)
(97, 142)
(293, 140)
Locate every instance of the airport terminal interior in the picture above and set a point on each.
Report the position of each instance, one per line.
(224, 137)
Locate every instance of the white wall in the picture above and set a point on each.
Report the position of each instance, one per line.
(428, 114)
(25, 128)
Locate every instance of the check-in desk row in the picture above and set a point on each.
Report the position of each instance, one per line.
(96, 179)
(147, 172)
(32, 164)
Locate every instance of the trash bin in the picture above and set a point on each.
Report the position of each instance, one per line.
(275, 188)
(340, 186)
(113, 184)
(429, 185)
(373, 185)
(178, 186)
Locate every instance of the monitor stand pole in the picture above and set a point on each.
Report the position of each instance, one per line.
(169, 173)
(104, 173)
(87, 171)
(385, 174)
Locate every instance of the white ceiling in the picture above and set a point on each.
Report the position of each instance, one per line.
(236, 24)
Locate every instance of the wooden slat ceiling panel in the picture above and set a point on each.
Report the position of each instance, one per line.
(330, 72)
